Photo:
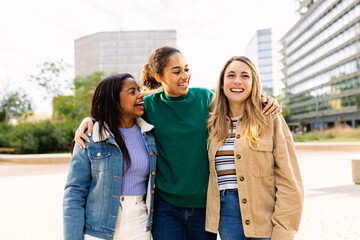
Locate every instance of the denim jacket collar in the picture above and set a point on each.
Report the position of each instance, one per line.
(104, 135)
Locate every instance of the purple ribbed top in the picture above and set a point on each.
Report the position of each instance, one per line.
(134, 180)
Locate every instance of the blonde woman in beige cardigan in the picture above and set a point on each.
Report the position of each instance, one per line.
(255, 189)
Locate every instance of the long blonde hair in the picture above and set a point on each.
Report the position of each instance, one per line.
(253, 119)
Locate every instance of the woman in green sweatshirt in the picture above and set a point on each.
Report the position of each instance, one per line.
(179, 115)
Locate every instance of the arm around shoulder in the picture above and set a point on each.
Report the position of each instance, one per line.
(86, 124)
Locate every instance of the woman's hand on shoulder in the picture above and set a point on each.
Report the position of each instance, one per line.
(271, 105)
(80, 135)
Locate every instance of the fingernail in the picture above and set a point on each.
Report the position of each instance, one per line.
(89, 134)
(267, 113)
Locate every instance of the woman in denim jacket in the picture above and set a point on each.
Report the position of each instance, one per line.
(109, 190)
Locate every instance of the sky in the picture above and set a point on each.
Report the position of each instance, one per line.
(209, 32)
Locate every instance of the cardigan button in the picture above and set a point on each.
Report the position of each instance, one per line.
(242, 178)
(238, 156)
(247, 222)
(237, 136)
(244, 200)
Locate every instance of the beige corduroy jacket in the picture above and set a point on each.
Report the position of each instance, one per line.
(269, 183)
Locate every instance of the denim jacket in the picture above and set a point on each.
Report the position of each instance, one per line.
(93, 187)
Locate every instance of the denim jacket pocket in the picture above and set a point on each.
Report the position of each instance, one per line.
(262, 160)
(99, 156)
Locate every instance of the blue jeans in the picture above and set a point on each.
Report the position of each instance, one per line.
(177, 223)
(230, 226)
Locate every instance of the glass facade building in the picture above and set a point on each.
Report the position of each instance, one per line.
(260, 51)
(320, 64)
(119, 52)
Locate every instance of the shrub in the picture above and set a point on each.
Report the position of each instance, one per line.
(40, 137)
(330, 135)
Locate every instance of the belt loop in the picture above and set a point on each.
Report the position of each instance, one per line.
(222, 192)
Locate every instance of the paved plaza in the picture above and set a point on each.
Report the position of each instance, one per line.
(31, 199)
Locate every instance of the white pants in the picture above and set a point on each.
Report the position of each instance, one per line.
(131, 221)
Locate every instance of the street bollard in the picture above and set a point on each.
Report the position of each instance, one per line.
(355, 164)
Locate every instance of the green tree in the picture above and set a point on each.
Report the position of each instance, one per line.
(73, 106)
(51, 77)
(77, 106)
(15, 104)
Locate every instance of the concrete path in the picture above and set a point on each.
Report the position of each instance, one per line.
(31, 199)
(332, 200)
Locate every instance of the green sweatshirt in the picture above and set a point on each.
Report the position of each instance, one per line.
(182, 169)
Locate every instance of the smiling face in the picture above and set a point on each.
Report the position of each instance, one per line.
(175, 76)
(131, 101)
(237, 85)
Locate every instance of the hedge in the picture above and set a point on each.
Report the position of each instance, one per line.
(40, 137)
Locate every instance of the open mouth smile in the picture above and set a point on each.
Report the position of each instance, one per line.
(140, 105)
(237, 90)
(184, 84)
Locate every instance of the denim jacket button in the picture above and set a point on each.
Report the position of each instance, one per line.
(98, 154)
(153, 173)
(151, 153)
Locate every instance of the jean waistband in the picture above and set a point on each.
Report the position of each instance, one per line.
(132, 199)
(228, 191)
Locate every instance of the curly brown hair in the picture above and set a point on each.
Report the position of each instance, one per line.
(155, 65)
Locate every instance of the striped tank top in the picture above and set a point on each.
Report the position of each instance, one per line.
(225, 161)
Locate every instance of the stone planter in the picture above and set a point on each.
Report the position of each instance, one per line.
(355, 164)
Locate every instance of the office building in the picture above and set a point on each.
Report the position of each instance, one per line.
(119, 52)
(260, 51)
(320, 64)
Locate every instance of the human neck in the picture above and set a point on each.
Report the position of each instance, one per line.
(171, 94)
(126, 123)
(237, 110)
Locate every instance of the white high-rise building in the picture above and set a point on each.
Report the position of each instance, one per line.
(260, 51)
(320, 64)
(119, 52)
